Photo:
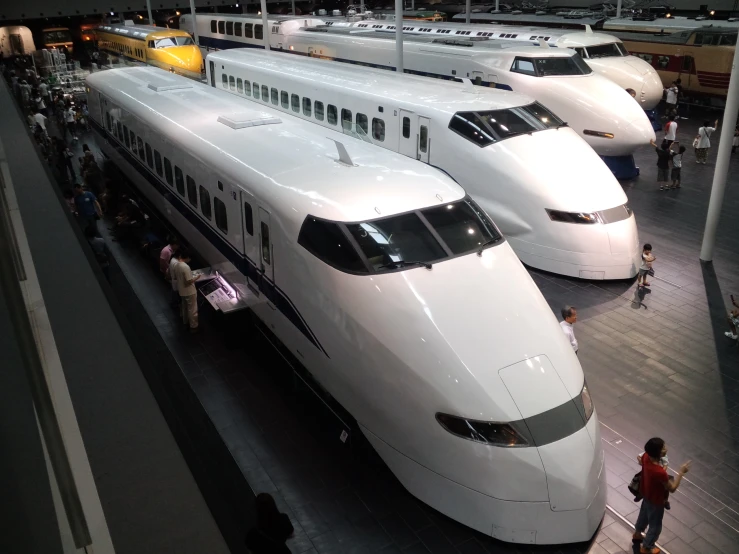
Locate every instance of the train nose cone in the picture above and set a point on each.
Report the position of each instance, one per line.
(651, 91)
(641, 131)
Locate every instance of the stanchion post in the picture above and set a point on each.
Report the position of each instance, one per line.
(398, 36)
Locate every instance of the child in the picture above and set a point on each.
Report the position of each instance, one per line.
(677, 164)
(646, 265)
(664, 462)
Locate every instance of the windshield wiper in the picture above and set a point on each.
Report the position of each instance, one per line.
(404, 263)
(486, 244)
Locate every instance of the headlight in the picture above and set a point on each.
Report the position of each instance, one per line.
(600, 134)
(584, 403)
(573, 217)
(486, 432)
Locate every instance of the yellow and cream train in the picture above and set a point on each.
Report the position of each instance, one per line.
(169, 49)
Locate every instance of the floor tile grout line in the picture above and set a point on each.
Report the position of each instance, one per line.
(631, 525)
(723, 504)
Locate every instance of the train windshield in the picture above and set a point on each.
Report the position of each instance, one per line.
(54, 37)
(173, 41)
(484, 128)
(414, 239)
(611, 50)
(551, 66)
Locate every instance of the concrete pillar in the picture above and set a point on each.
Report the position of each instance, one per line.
(148, 9)
(265, 25)
(618, 8)
(468, 12)
(399, 36)
(194, 23)
(722, 163)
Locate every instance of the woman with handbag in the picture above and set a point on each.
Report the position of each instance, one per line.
(704, 141)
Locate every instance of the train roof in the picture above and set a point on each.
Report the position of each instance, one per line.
(293, 165)
(140, 32)
(668, 25)
(272, 19)
(570, 21)
(447, 97)
(679, 37)
(450, 43)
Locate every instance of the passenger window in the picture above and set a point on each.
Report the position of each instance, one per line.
(248, 219)
(205, 202)
(221, 216)
(168, 171)
(232, 82)
(158, 162)
(688, 63)
(192, 191)
(284, 99)
(247, 88)
(224, 81)
(255, 89)
(179, 181)
(239, 86)
(327, 242)
(423, 139)
(275, 96)
(406, 127)
(222, 27)
(248, 30)
(265, 93)
(119, 132)
(213, 26)
(646, 57)
(108, 121)
(237, 29)
(663, 62)
(319, 110)
(149, 157)
(229, 27)
(332, 114)
(306, 107)
(362, 123)
(378, 129)
(258, 32)
(140, 144)
(346, 119)
(295, 102)
(126, 137)
(133, 142)
(265, 243)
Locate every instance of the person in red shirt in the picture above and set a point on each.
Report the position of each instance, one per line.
(654, 483)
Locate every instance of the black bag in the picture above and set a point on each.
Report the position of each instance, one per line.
(635, 485)
(650, 272)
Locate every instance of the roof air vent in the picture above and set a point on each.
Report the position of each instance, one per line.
(242, 120)
(164, 87)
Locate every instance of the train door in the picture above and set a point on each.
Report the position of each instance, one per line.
(265, 264)
(424, 140)
(408, 130)
(251, 239)
(212, 74)
(16, 45)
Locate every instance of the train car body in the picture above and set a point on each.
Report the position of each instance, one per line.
(598, 109)
(169, 49)
(16, 40)
(361, 269)
(523, 178)
(57, 37)
(701, 58)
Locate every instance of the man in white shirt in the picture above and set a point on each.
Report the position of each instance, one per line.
(670, 130)
(69, 119)
(569, 314)
(40, 120)
(671, 99)
(188, 292)
(171, 276)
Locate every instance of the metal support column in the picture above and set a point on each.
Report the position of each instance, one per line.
(618, 8)
(194, 23)
(398, 36)
(722, 163)
(293, 1)
(468, 12)
(148, 9)
(265, 25)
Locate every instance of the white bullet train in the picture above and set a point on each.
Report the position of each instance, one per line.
(511, 154)
(604, 114)
(605, 54)
(391, 286)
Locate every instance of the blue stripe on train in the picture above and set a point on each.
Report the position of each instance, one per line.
(243, 263)
(225, 44)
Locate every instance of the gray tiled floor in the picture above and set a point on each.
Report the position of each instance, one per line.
(658, 364)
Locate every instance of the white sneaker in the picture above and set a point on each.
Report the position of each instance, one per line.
(730, 335)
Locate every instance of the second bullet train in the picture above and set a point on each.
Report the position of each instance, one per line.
(510, 153)
(393, 288)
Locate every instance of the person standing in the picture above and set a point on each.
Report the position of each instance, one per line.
(569, 315)
(69, 118)
(664, 155)
(671, 100)
(704, 141)
(677, 166)
(670, 130)
(646, 264)
(171, 276)
(88, 209)
(188, 292)
(100, 249)
(272, 530)
(654, 484)
(166, 255)
(735, 140)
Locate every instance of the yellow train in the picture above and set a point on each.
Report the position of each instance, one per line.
(169, 49)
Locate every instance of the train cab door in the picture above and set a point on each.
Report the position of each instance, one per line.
(212, 74)
(251, 240)
(424, 139)
(266, 262)
(408, 145)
